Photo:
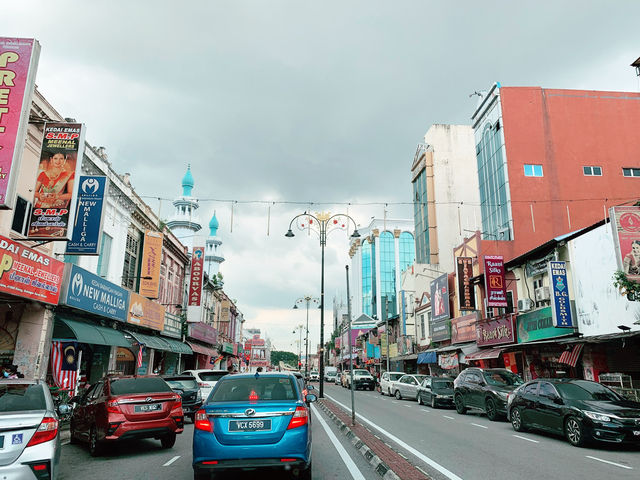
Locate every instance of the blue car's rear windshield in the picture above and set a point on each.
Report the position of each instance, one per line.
(254, 389)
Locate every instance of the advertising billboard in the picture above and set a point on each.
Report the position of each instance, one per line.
(87, 224)
(494, 282)
(195, 280)
(145, 312)
(560, 305)
(463, 329)
(18, 65)
(626, 237)
(466, 291)
(55, 193)
(151, 260)
(440, 298)
(496, 331)
(28, 273)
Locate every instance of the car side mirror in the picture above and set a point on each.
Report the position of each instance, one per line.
(557, 400)
(310, 398)
(64, 409)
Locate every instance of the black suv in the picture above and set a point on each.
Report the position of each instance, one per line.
(484, 389)
(187, 387)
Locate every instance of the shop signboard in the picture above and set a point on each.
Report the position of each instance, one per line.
(151, 260)
(227, 347)
(496, 331)
(539, 266)
(560, 305)
(466, 291)
(84, 290)
(448, 361)
(145, 313)
(494, 282)
(440, 298)
(463, 329)
(87, 225)
(440, 330)
(56, 183)
(203, 332)
(393, 350)
(172, 325)
(27, 273)
(626, 237)
(538, 325)
(195, 280)
(18, 66)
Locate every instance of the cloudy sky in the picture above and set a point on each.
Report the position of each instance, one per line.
(308, 105)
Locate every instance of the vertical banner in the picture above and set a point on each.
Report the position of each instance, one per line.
(440, 298)
(87, 225)
(151, 260)
(560, 306)
(466, 292)
(18, 65)
(494, 282)
(195, 282)
(54, 197)
(626, 237)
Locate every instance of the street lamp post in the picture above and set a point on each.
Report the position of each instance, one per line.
(299, 329)
(306, 299)
(322, 223)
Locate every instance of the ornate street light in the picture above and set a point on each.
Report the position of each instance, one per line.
(322, 223)
(308, 299)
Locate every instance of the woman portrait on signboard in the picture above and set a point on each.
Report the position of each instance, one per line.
(631, 260)
(54, 185)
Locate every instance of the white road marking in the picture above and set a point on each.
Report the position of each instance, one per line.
(404, 445)
(349, 463)
(425, 410)
(610, 463)
(478, 425)
(394, 401)
(171, 461)
(447, 416)
(408, 406)
(527, 439)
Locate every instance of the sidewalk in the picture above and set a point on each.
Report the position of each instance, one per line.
(387, 462)
(65, 435)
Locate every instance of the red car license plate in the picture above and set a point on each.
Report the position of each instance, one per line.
(152, 407)
(249, 425)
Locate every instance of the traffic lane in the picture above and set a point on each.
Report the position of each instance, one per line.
(485, 446)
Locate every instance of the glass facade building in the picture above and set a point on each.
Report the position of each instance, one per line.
(421, 218)
(388, 269)
(368, 277)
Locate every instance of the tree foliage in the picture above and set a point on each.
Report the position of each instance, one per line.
(287, 357)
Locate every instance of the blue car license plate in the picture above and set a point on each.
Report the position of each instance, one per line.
(249, 425)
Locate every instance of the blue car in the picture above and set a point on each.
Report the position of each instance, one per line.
(254, 421)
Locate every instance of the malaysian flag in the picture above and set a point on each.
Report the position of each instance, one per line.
(64, 364)
(139, 362)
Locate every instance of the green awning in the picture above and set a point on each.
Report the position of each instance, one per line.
(151, 341)
(65, 328)
(179, 347)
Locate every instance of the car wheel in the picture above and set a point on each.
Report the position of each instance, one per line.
(574, 432)
(516, 420)
(192, 417)
(419, 399)
(381, 391)
(433, 401)
(168, 441)
(372, 388)
(491, 409)
(95, 448)
(460, 408)
(398, 395)
(304, 474)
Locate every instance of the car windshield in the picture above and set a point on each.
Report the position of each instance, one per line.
(584, 390)
(420, 378)
(360, 372)
(211, 376)
(314, 373)
(182, 383)
(253, 389)
(502, 379)
(21, 397)
(331, 374)
(442, 384)
(127, 386)
(395, 376)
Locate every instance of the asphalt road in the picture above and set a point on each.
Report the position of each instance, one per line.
(470, 447)
(145, 460)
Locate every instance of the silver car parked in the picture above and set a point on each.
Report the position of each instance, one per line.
(407, 386)
(29, 434)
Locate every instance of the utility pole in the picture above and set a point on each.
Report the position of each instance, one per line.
(385, 314)
(353, 404)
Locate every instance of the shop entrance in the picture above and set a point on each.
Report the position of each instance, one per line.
(125, 361)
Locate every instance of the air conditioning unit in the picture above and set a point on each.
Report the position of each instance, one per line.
(542, 293)
(525, 304)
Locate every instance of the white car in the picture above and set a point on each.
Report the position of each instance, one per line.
(314, 376)
(387, 380)
(207, 379)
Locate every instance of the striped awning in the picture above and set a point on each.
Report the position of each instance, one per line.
(485, 354)
(570, 357)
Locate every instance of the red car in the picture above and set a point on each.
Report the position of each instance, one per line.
(119, 408)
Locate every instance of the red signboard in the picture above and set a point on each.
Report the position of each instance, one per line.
(203, 332)
(463, 329)
(466, 292)
(28, 273)
(626, 237)
(494, 284)
(496, 331)
(197, 271)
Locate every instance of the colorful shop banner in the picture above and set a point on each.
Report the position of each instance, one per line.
(448, 361)
(393, 350)
(463, 329)
(28, 273)
(227, 347)
(496, 331)
(626, 237)
(466, 292)
(494, 283)
(18, 66)
(440, 298)
(195, 280)
(560, 305)
(538, 325)
(172, 325)
(145, 313)
(87, 224)
(84, 290)
(54, 198)
(203, 332)
(151, 260)
(440, 330)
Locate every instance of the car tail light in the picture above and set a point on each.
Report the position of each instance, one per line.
(300, 418)
(202, 385)
(210, 462)
(288, 459)
(177, 400)
(40, 470)
(253, 396)
(202, 421)
(113, 427)
(113, 406)
(47, 430)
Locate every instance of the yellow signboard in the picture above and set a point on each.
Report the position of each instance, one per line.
(151, 260)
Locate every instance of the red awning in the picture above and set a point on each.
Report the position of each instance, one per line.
(485, 354)
(570, 357)
(197, 348)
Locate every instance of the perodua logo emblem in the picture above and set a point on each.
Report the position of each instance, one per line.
(148, 399)
(249, 412)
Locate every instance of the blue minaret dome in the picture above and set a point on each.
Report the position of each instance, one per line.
(187, 182)
(213, 225)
